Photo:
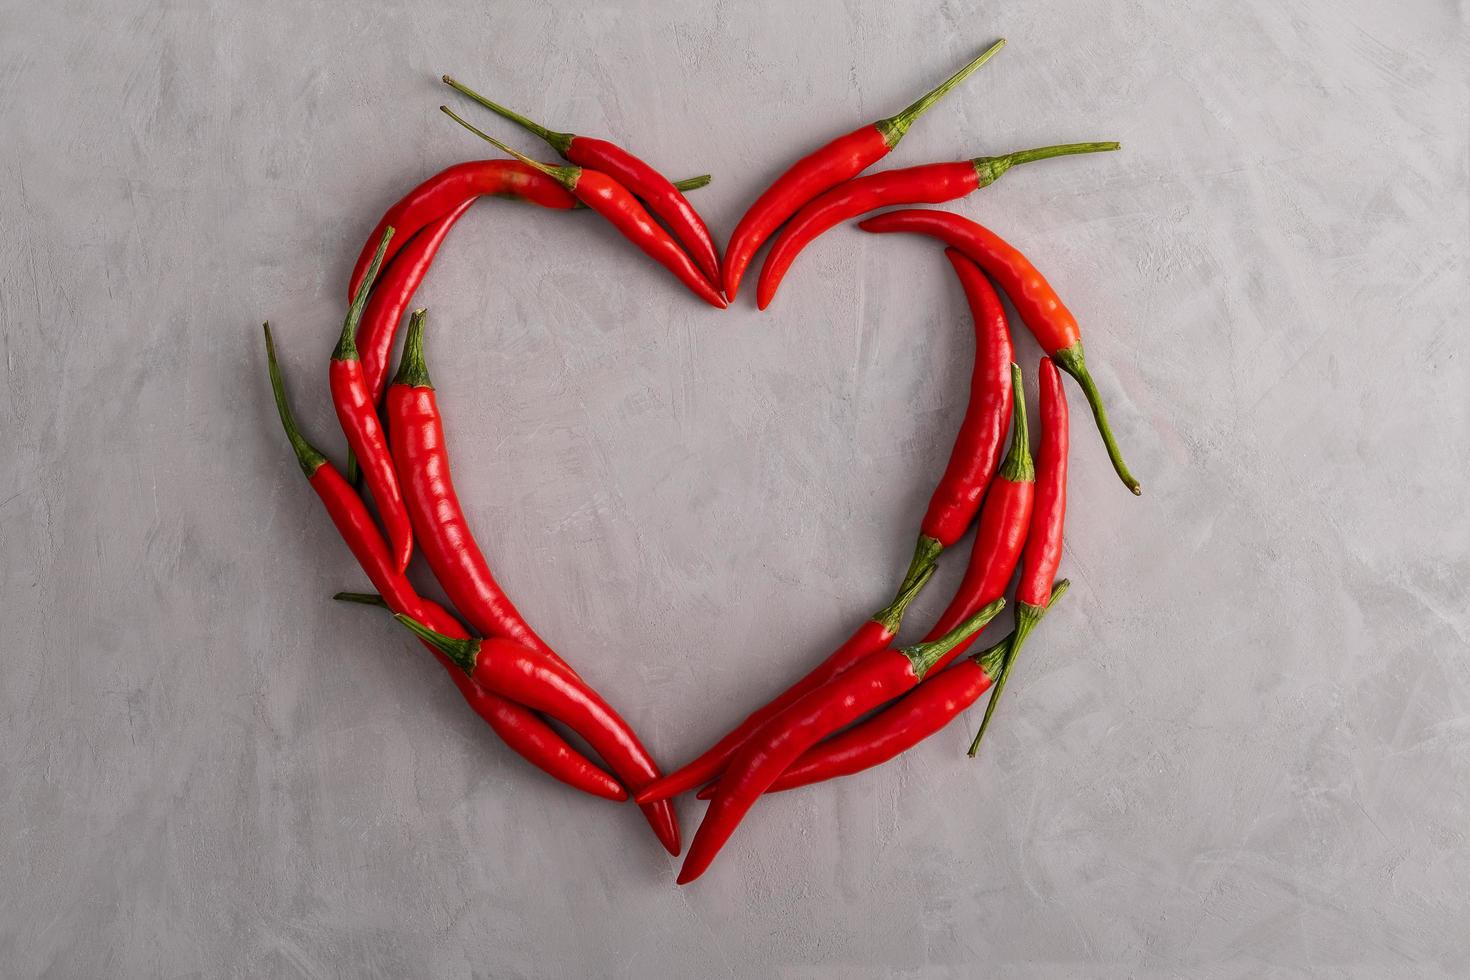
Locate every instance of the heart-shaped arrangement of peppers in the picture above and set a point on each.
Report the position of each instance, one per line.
(868, 701)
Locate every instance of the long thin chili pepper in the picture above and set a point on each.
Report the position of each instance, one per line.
(519, 727)
(933, 183)
(650, 186)
(357, 410)
(550, 686)
(617, 204)
(912, 718)
(977, 447)
(524, 731)
(1043, 312)
(416, 438)
(1044, 541)
(873, 635)
(394, 292)
(450, 188)
(783, 739)
(824, 168)
(1001, 530)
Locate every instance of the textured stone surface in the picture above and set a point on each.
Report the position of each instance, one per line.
(1239, 748)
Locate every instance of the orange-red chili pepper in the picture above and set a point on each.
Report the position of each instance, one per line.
(617, 204)
(650, 186)
(932, 183)
(783, 739)
(357, 410)
(977, 447)
(1043, 553)
(1043, 312)
(873, 635)
(519, 727)
(416, 438)
(824, 168)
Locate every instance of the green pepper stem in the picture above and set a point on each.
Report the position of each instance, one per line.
(1000, 658)
(565, 176)
(560, 142)
(347, 343)
(990, 169)
(462, 652)
(362, 598)
(891, 616)
(412, 371)
(926, 556)
(894, 127)
(693, 183)
(925, 655)
(1018, 466)
(307, 455)
(1070, 359)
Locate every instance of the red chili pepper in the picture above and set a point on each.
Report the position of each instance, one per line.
(976, 451)
(912, 718)
(549, 685)
(1001, 531)
(450, 188)
(652, 187)
(526, 734)
(392, 295)
(1043, 312)
(394, 292)
(357, 410)
(824, 168)
(617, 204)
(872, 636)
(781, 741)
(416, 437)
(1044, 540)
(933, 183)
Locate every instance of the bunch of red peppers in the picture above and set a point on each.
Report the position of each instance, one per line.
(869, 700)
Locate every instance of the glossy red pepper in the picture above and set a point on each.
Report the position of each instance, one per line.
(782, 740)
(824, 168)
(912, 718)
(448, 190)
(977, 447)
(650, 186)
(416, 437)
(394, 292)
(872, 636)
(548, 685)
(357, 411)
(617, 204)
(933, 183)
(1043, 553)
(1043, 312)
(519, 727)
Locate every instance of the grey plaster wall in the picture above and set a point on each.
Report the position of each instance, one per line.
(1239, 749)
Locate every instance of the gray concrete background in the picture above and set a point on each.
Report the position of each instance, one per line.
(1239, 749)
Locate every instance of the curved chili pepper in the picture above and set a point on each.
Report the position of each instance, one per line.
(873, 635)
(394, 292)
(933, 183)
(517, 726)
(1044, 541)
(977, 447)
(1001, 531)
(617, 204)
(548, 685)
(357, 411)
(1049, 321)
(783, 739)
(912, 718)
(652, 187)
(824, 168)
(416, 438)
